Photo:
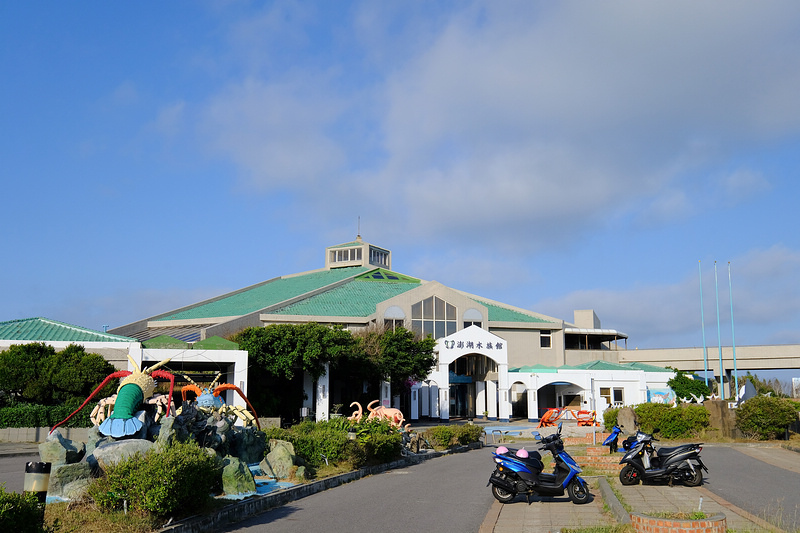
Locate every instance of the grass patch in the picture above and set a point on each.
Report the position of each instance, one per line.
(85, 518)
(619, 528)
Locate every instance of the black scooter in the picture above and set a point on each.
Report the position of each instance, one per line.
(644, 462)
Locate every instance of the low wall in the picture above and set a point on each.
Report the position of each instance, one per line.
(649, 524)
(40, 434)
(82, 434)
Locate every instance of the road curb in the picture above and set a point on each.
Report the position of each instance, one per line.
(610, 498)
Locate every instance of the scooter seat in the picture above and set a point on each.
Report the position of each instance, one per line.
(666, 452)
(533, 461)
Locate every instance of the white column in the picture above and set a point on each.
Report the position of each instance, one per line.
(386, 394)
(503, 397)
(533, 405)
(323, 393)
(444, 403)
(444, 392)
(480, 398)
(491, 399)
(434, 400)
(415, 398)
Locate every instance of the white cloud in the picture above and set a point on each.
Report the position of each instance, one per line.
(170, 119)
(743, 184)
(125, 93)
(558, 112)
(766, 299)
(276, 132)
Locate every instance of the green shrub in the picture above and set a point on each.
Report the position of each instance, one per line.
(441, 436)
(21, 513)
(383, 448)
(162, 481)
(468, 433)
(765, 417)
(672, 422)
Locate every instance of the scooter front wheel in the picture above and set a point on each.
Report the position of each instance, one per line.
(578, 492)
(629, 475)
(502, 495)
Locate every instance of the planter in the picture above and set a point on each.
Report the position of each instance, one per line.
(651, 524)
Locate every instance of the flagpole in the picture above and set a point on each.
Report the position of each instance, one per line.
(719, 339)
(703, 326)
(733, 337)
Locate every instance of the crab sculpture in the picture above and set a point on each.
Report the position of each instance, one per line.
(209, 401)
(117, 417)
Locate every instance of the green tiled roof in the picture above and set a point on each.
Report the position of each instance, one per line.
(44, 329)
(606, 365)
(646, 368)
(599, 365)
(264, 294)
(504, 314)
(357, 298)
(347, 245)
(530, 369)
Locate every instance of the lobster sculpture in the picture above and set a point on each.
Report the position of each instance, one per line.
(209, 400)
(135, 389)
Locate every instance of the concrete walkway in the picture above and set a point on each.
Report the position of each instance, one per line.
(544, 515)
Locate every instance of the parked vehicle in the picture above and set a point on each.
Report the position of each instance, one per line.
(520, 472)
(644, 462)
(612, 441)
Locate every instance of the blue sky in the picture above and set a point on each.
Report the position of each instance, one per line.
(553, 156)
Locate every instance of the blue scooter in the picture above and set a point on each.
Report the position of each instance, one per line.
(520, 472)
(612, 441)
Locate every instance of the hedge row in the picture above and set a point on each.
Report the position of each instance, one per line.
(685, 420)
(32, 415)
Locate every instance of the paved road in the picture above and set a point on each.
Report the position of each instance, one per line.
(12, 471)
(444, 494)
(744, 477)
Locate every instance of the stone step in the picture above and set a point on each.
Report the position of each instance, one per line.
(597, 450)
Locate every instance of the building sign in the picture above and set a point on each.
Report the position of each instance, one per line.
(472, 345)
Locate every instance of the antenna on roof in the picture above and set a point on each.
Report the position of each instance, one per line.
(358, 235)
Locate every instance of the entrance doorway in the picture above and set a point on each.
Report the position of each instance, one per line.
(462, 403)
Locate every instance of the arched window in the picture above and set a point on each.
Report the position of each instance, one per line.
(433, 316)
(473, 317)
(393, 318)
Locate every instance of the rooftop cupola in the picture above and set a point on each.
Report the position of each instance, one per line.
(357, 253)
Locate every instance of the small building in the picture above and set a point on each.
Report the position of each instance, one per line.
(213, 354)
